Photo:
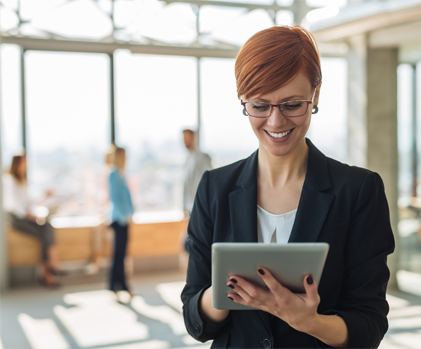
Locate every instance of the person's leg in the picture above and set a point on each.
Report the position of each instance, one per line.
(124, 239)
(97, 243)
(120, 252)
(49, 247)
(45, 235)
(113, 273)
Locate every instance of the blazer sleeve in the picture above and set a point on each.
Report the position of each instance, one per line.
(363, 304)
(199, 243)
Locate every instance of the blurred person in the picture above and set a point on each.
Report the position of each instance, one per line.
(196, 164)
(121, 217)
(100, 232)
(20, 209)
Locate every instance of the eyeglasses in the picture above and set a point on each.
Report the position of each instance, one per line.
(288, 109)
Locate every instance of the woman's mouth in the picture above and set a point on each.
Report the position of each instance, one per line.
(279, 136)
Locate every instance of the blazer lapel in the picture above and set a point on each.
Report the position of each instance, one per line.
(314, 204)
(243, 203)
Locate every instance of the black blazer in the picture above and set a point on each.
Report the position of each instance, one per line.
(342, 205)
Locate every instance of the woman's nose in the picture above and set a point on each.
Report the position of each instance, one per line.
(276, 119)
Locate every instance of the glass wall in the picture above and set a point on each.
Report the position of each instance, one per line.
(156, 98)
(68, 128)
(11, 125)
(68, 115)
(226, 136)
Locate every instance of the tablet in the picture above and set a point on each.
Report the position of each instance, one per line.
(289, 263)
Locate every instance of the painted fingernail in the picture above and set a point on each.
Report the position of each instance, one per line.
(261, 271)
(231, 286)
(233, 280)
(310, 280)
(230, 298)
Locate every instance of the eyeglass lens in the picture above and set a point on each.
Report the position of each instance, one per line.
(290, 109)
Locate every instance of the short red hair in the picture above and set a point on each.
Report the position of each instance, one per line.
(273, 57)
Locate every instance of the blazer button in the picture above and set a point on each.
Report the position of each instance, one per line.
(198, 328)
(267, 344)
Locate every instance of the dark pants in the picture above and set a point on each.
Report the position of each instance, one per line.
(45, 232)
(118, 277)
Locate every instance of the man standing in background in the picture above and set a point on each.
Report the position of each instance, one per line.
(197, 163)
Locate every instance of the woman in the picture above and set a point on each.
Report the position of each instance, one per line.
(18, 205)
(121, 215)
(313, 198)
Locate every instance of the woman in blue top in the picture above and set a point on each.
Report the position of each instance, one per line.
(121, 216)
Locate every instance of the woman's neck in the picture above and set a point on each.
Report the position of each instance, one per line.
(277, 171)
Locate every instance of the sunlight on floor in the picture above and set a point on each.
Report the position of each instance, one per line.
(161, 313)
(42, 334)
(155, 344)
(170, 293)
(402, 317)
(97, 319)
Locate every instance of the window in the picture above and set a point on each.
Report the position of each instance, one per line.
(10, 103)
(328, 130)
(226, 137)
(156, 98)
(68, 128)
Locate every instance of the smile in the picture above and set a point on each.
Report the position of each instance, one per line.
(279, 134)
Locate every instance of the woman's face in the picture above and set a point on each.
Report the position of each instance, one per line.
(122, 159)
(269, 130)
(22, 167)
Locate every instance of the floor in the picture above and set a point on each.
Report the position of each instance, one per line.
(87, 316)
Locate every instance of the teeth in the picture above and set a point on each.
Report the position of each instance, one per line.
(279, 135)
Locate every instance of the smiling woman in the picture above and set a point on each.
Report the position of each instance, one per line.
(279, 79)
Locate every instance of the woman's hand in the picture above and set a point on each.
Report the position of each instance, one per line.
(298, 310)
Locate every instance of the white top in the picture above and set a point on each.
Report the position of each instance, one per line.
(15, 197)
(274, 228)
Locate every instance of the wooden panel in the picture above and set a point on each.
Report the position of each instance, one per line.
(156, 239)
(22, 249)
(152, 239)
(74, 243)
(145, 240)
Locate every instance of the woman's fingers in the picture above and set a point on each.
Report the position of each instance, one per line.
(311, 289)
(274, 286)
(243, 287)
(248, 294)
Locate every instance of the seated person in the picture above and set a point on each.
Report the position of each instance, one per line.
(18, 206)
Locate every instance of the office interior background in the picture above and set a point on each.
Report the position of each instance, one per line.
(77, 76)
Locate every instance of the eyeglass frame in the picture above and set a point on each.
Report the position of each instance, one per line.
(272, 106)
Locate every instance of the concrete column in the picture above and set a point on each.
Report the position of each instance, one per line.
(382, 140)
(372, 121)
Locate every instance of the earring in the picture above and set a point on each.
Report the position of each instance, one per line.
(315, 109)
(245, 113)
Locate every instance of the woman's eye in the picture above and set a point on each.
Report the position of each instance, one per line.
(293, 106)
(261, 107)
